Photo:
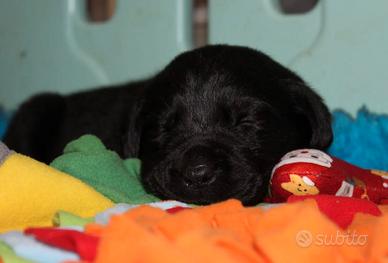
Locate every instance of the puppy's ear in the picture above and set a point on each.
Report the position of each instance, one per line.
(133, 133)
(311, 110)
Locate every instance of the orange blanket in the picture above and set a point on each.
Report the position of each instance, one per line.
(228, 232)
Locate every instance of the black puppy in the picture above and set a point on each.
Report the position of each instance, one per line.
(208, 127)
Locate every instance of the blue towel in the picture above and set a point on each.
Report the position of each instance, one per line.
(3, 122)
(363, 140)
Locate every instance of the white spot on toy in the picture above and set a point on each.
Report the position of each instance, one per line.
(308, 181)
(346, 189)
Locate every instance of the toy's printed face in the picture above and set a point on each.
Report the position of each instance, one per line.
(300, 185)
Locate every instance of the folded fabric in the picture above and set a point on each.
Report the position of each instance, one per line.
(32, 192)
(8, 255)
(28, 248)
(228, 232)
(87, 159)
(66, 219)
(303, 229)
(341, 210)
(83, 244)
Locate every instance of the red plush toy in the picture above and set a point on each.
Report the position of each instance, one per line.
(312, 172)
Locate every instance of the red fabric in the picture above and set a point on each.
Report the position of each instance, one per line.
(176, 209)
(83, 244)
(340, 209)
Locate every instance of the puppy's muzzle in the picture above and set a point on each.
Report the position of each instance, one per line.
(198, 167)
(198, 176)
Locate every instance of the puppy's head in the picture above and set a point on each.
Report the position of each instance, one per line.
(216, 120)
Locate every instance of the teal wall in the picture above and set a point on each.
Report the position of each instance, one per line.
(48, 45)
(339, 47)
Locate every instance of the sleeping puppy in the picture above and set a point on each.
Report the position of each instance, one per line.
(208, 127)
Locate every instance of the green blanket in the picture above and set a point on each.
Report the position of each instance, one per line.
(87, 159)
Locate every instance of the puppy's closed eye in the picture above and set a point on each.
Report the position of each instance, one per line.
(248, 120)
(255, 115)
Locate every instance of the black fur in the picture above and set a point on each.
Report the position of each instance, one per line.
(208, 127)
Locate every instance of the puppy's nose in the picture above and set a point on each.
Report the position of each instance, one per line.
(198, 175)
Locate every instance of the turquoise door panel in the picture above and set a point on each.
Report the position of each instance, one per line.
(261, 24)
(340, 47)
(50, 45)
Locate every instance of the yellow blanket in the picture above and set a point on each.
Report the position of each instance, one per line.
(32, 192)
